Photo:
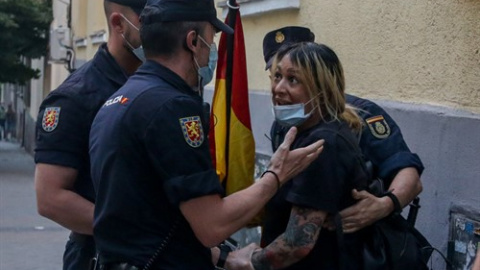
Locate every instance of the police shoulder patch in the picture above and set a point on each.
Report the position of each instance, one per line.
(192, 130)
(50, 118)
(378, 126)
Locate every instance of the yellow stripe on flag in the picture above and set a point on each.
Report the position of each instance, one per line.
(220, 127)
(241, 157)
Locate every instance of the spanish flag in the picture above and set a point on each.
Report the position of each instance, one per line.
(231, 140)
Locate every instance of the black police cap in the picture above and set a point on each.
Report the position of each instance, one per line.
(136, 5)
(183, 10)
(273, 40)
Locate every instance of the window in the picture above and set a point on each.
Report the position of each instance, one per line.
(99, 37)
(80, 42)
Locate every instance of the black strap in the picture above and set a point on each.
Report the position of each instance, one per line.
(162, 246)
(224, 250)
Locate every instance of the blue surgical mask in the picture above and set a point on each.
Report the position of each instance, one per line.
(138, 52)
(205, 74)
(291, 115)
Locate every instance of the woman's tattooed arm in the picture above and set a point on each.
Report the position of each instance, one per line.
(295, 243)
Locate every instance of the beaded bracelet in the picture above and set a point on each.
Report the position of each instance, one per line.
(276, 177)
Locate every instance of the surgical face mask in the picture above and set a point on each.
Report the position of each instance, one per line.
(205, 74)
(291, 115)
(138, 52)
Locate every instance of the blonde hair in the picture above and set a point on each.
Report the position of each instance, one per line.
(322, 74)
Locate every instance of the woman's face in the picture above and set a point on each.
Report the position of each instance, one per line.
(287, 89)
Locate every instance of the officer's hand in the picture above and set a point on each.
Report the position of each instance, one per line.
(286, 164)
(241, 259)
(366, 211)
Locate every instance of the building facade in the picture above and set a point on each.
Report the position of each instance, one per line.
(420, 60)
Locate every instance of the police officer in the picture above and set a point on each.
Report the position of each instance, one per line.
(381, 142)
(62, 177)
(159, 201)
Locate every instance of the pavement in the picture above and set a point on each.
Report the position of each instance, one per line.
(27, 240)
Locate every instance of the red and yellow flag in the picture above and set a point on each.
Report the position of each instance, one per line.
(231, 139)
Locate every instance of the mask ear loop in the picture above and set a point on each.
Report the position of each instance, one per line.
(129, 22)
(128, 43)
(136, 28)
(316, 106)
(199, 86)
(205, 42)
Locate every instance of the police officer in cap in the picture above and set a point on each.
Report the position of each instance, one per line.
(159, 200)
(62, 176)
(381, 142)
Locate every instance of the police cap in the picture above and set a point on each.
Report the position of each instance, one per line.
(273, 40)
(183, 10)
(136, 5)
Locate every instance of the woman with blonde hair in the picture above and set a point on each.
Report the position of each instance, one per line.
(308, 85)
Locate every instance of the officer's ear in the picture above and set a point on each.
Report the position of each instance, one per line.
(190, 42)
(116, 22)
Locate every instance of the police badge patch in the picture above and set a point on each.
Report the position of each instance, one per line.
(192, 130)
(279, 37)
(378, 126)
(50, 118)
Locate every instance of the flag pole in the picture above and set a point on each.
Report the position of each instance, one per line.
(232, 17)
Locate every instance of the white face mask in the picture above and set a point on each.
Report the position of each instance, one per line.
(292, 115)
(138, 52)
(205, 74)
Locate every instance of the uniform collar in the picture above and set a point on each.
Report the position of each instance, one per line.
(105, 62)
(156, 69)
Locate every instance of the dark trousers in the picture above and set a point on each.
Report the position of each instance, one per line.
(79, 250)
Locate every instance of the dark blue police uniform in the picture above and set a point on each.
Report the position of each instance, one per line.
(381, 141)
(62, 131)
(149, 153)
(325, 185)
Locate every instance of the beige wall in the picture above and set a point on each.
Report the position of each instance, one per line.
(96, 21)
(79, 25)
(422, 52)
(88, 17)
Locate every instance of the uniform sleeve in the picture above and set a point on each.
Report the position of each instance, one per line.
(178, 147)
(383, 144)
(321, 186)
(61, 132)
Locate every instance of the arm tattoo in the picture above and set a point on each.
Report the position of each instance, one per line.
(260, 261)
(295, 243)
